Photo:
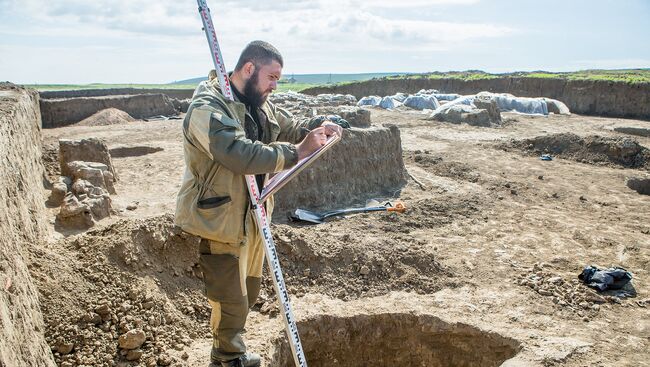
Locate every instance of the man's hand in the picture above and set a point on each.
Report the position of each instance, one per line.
(314, 140)
(332, 128)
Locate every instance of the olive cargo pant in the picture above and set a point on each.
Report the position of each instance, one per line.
(232, 276)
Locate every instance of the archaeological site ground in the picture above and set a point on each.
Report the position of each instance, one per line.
(505, 208)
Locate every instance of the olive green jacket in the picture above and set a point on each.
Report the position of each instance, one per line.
(213, 200)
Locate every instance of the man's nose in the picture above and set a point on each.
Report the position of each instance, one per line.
(274, 85)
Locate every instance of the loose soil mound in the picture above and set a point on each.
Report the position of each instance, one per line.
(108, 116)
(144, 275)
(132, 275)
(352, 257)
(597, 150)
(348, 267)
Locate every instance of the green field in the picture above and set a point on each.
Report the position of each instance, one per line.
(52, 87)
(625, 75)
(282, 87)
(305, 81)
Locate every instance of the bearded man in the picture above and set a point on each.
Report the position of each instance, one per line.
(223, 141)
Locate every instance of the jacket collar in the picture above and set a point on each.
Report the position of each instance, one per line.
(239, 109)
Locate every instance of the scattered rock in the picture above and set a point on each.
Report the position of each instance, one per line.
(97, 174)
(74, 214)
(364, 270)
(133, 354)
(164, 360)
(132, 339)
(59, 190)
(65, 348)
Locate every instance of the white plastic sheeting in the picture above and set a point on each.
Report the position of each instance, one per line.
(369, 101)
(421, 102)
(400, 97)
(446, 96)
(389, 103)
(528, 106)
(429, 99)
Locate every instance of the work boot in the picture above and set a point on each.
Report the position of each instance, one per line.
(247, 360)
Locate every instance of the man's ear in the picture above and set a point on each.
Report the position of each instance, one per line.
(249, 69)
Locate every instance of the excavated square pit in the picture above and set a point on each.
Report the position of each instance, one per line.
(394, 339)
(640, 185)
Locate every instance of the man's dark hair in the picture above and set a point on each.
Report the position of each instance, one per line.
(259, 53)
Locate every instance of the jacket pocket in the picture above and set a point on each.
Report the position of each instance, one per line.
(214, 216)
(213, 202)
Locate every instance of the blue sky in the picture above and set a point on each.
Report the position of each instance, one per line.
(138, 41)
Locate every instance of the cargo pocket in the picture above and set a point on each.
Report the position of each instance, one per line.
(214, 202)
(219, 218)
(221, 277)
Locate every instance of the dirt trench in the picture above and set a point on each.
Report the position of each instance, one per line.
(392, 339)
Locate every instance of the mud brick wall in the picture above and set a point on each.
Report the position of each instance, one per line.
(62, 112)
(22, 224)
(171, 93)
(365, 164)
(588, 97)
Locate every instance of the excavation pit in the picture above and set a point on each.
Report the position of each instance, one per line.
(640, 185)
(135, 151)
(395, 339)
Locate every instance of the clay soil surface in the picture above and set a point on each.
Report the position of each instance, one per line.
(481, 269)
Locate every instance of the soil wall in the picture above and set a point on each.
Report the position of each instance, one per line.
(587, 97)
(171, 93)
(22, 225)
(62, 112)
(365, 164)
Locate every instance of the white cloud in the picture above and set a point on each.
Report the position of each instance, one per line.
(164, 17)
(311, 33)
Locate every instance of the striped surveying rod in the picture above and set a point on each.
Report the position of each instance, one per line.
(260, 212)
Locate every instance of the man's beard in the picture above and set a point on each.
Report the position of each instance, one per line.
(254, 96)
